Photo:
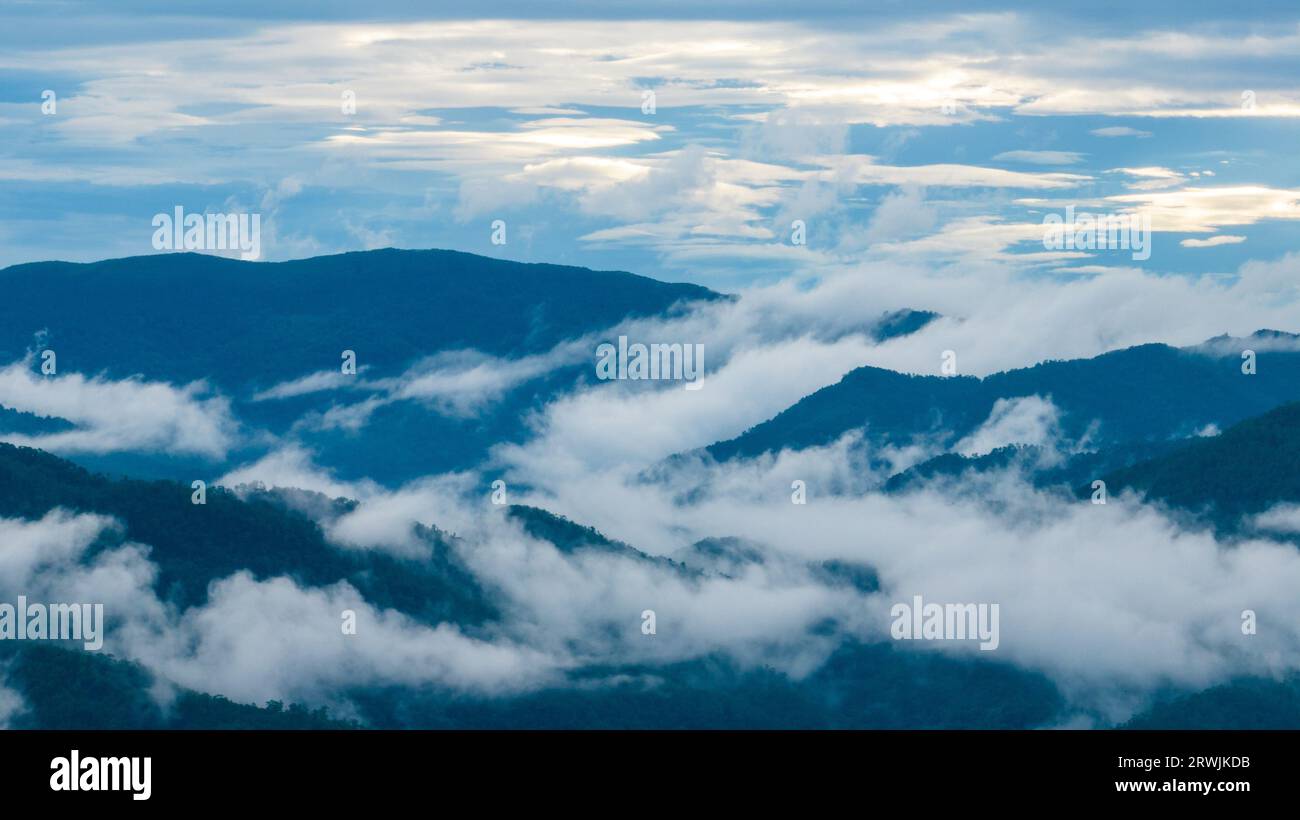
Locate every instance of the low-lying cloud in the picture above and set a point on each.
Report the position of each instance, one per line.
(111, 416)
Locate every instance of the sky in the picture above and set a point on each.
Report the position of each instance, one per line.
(920, 146)
(943, 133)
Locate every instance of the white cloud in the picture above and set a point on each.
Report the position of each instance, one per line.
(113, 416)
(292, 466)
(1119, 131)
(1213, 241)
(321, 381)
(1112, 602)
(1202, 210)
(1027, 420)
(252, 640)
(1041, 157)
(12, 702)
(901, 215)
(258, 640)
(1283, 518)
(1151, 178)
(864, 170)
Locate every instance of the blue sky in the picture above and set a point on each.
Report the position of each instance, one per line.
(941, 133)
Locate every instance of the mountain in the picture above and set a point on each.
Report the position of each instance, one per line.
(1248, 468)
(1041, 467)
(1147, 393)
(184, 316)
(1252, 703)
(860, 685)
(902, 323)
(194, 545)
(245, 327)
(116, 694)
(569, 537)
(264, 534)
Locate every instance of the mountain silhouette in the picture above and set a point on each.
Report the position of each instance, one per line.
(1150, 392)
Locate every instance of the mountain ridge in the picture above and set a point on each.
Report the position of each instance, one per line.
(1196, 389)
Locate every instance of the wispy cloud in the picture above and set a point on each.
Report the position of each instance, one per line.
(118, 415)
